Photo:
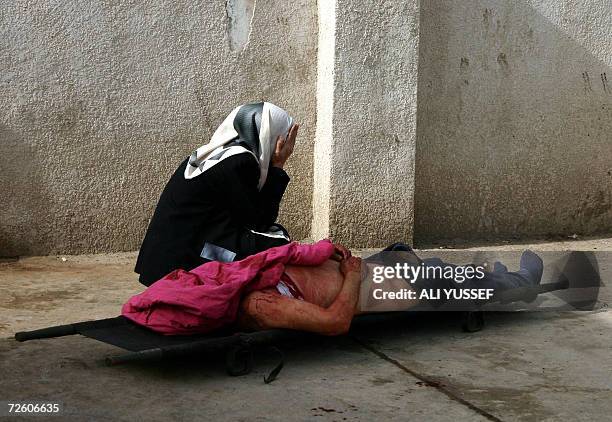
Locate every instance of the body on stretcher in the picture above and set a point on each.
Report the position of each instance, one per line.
(144, 344)
(579, 273)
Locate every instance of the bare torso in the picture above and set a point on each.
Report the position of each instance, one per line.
(319, 285)
(327, 307)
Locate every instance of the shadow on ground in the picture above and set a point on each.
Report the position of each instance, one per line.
(523, 366)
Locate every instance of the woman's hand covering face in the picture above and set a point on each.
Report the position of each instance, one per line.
(284, 147)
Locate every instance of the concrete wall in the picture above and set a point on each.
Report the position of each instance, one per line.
(364, 153)
(514, 118)
(100, 101)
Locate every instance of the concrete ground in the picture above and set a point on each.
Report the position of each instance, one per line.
(537, 366)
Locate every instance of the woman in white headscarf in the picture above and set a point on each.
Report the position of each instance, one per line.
(222, 202)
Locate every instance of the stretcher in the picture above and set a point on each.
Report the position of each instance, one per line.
(142, 344)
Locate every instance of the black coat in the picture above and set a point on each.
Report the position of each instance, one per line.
(213, 211)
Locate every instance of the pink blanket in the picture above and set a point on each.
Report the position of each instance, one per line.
(207, 297)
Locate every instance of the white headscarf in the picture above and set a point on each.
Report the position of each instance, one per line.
(274, 122)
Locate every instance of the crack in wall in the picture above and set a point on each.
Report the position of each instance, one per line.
(240, 15)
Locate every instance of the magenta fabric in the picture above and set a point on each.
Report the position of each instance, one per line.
(207, 297)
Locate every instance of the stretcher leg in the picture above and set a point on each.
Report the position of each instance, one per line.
(472, 321)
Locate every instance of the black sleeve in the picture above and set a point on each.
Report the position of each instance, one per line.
(253, 208)
(272, 192)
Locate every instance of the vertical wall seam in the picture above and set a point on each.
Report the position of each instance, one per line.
(322, 151)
